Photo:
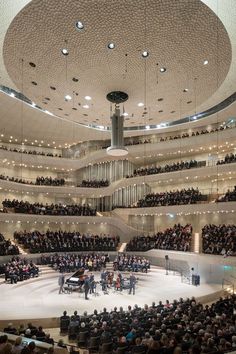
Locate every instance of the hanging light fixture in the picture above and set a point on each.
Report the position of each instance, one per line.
(117, 147)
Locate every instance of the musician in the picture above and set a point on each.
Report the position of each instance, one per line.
(92, 283)
(110, 279)
(104, 280)
(119, 282)
(132, 282)
(61, 282)
(86, 287)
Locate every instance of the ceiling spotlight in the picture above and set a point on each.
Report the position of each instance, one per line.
(111, 45)
(163, 70)
(140, 104)
(79, 25)
(86, 106)
(68, 97)
(65, 51)
(88, 98)
(205, 62)
(185, 90)
(125, 114)
(145, 54)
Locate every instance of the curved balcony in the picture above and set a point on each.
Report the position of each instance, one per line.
(199, 143)
(190, 174)
(98, 224)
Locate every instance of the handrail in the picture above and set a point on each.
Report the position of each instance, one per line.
(229, 282)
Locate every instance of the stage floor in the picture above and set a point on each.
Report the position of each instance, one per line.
(39, 298)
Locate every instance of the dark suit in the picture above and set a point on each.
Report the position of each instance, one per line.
(86, 287)
(132, 282)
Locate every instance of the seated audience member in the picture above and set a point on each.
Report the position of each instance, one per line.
(176, 166)
(229, 196)
(49, 181)
(65, 241)
(177, 238)
(183, 326)
(10, 329)
(94, 183)
(72, 262)
(7, 247)
(229, 158)
(132, 263)
(18, 269)
(219, 239)
(178, 197)
(18, 346)
(25, 207)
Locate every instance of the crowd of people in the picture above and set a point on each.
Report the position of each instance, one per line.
(18, 269)
(178, 197)
(175, 166)
(177, 238)
(7, 247)
(229, 158)
(30, 152)
(44, 181)
(72, 262)
(26, 207)
(65, 241)
(229, 196)
(28, 331)
(94, 183)
(183, 326)
(124, 262)
(133, 141)
(219, 239)
(49, 181)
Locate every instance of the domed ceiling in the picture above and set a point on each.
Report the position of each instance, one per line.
(180, 36)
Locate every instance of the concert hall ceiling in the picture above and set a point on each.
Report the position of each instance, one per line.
(191, 64)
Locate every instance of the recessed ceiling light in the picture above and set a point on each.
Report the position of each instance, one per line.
(163, 70)
(88, 98)
(125, 114)
(145, 54)
(185, 90)
(205, 62)
(140, 104)
(85, 106)
(65, 51)
(111, 45)
(79, 25)
(68, 97)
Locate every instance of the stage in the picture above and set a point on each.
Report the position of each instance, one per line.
(38, 297)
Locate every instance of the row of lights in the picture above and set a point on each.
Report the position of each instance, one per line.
(53, 222)
(186, 214)
(68, 146)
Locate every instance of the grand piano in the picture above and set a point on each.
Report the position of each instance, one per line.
(76, 281)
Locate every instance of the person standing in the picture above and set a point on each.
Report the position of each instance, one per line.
(132, 282)
(61, 282)
(86, 287)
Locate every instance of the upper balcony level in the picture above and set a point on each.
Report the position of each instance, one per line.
(162, 149)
